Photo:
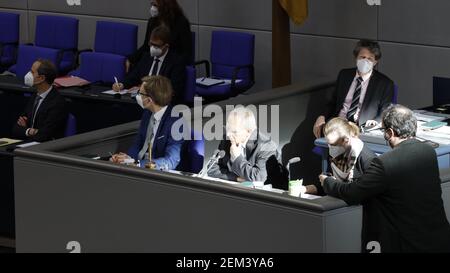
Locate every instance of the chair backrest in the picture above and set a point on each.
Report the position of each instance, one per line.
(192, 154)
(9, 28)
(395, 98)
(229, 50)
(29, 54)
(190, 85)
(71, 126)
(59, 32)
(101, 67)
(116, 38)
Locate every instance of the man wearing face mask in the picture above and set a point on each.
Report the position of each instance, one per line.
(45, 115)
(349, 157)
(169, 13)
(361, 93)
(160, 60)
(155, 132)
(400, 192)
(246, 151)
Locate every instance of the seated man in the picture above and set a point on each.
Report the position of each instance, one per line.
(246, 151)
(159, 61)
(45, 115)
(362, 93)
(154, 97)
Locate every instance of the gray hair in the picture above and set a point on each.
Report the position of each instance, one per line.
(246, 116)
(401, 120)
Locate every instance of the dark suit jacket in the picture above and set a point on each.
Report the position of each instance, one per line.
(379, 95)
(361, 165)
(165, 150)
(251, 168)
(401, 197)
(180, 39)
(50, 120)
(171, 68)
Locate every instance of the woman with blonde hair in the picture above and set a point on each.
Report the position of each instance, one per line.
(348, 156)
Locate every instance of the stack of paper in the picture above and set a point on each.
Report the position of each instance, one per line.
(71, 81)
(8, 141)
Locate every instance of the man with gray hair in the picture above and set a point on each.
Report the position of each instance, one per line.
(246, 150)
(401, 192)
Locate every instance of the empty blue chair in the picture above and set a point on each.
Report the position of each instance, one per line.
(9, 39)
(232, 58)
(395, 97)
(101, 68)
(192, 154)
(59, 33)
(27, 55)
(113, 43)
(189, 93)
(71, 127)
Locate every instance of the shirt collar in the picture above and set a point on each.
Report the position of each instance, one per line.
(45, 94)
(158, 115)
(365, 77)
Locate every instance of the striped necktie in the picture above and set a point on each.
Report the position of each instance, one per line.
(355, 101)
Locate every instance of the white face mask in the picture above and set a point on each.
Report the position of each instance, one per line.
(335, 151)
(29, 79)
(364, 66)
(154, 12)
(139, 101)
(155, 51)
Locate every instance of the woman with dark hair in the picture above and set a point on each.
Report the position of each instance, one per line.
(169, 13)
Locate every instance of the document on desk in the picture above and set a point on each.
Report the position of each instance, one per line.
(112, 92)
(426, 116)
(28, 144)
(8, 141)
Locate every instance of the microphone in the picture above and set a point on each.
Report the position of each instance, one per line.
(218, 154)
(292, 161)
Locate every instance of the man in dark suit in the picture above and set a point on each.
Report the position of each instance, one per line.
(362, 93)
(401, 192)
(161, 60)
(45, 115)
(155, 141)
(246, 151)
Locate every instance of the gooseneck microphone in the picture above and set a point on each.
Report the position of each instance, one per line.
(217, 155)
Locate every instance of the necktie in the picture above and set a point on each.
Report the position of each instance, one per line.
(35, 108)
(155, 67)
(355, 101)
(148, 138)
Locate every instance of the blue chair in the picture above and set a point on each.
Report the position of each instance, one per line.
(232, 58)
(395, 98)
(189, 92)
(29, 54)
(59, 33)
(192, 154)
(113, 43)
(71, 127)
(9, 39)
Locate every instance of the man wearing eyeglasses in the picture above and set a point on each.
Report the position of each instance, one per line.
(400, 192)
(154, 140)
(159, 61)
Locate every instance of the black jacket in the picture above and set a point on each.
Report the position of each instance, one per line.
(172, 68)
(361, 165)
(51, 118)
(401, 196)
(252, 167)
(180, 39)
(379, 95)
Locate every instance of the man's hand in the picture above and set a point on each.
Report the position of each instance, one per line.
(322, 178)
(371, 123)
(22, 122)
(318, 126)
(235, 150)
(33, 132)
(117, 87)
(119, 158)
(127, 66)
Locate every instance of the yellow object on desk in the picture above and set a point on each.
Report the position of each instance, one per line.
(8, 141)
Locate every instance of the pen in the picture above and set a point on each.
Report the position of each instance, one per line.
(203, 79)
(115, 79)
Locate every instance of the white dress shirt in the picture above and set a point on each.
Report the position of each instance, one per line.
(349, 98)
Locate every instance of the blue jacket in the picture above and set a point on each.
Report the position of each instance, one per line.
(166, 150)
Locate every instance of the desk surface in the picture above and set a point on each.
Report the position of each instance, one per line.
(90, 92)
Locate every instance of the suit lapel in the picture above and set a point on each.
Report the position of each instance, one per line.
(369, 92)
(347, 84)
(43, 106)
